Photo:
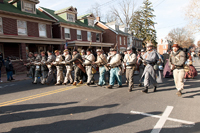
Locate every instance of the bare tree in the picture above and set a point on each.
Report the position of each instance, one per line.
(125, 11)
(181, 36)
(96, 10)
(110, 17)
(192, 14)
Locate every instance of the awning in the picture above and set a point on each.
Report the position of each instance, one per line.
(85, 43)
(27, 39)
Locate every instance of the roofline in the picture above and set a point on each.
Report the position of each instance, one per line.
(107, 27)
(48, 13)
(12, 13)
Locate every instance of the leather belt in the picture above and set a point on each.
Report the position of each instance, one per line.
(88, 65)
(115, 67)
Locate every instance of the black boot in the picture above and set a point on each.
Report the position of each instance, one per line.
(155, 89)
(145, 90)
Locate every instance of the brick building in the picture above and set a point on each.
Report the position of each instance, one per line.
(24, 29)
(163, 46)
(112, 34)
(79, 32)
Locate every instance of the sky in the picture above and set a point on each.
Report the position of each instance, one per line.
(169, 13)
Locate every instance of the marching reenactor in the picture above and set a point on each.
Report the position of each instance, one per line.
(37, 67)
(83, 57)
(51, 74)
(77, 60)
(101, 62)
(150, 59)
(44, 68)
(59, 67)
(89, 59)
(176, 62)
(141, 65)
(30, 64)
(130, 62)
(116, 70)
(68, 67)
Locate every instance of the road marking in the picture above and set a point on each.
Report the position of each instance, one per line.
(162, 119)
(6, 86)
(38, 95)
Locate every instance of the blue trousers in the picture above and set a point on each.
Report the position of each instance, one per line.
(9, 75)
(115, 76)
(102, 72)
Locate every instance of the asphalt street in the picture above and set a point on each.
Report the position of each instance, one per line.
(29, 108)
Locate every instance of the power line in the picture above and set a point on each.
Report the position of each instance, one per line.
(170, 26)
(159, 4)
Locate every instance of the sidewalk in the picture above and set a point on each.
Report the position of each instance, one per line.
(17, 77)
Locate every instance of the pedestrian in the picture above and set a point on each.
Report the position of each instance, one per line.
(30, 64)
(141, 65)
(116, 70)
(78, 67)
(44, 68)
(150, 59)
(101, 62)
(130, 64)
(83, 57)
(37, 64)
(1, 63)
(68, 67)
(176, 61)
(52, 69)
(9, 69)
(89, 59)
(59, 67)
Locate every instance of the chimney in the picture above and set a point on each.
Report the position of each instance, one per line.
(1, 1)
(98, 18)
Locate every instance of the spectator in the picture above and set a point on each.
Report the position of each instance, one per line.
(1, 64)
(9, 69)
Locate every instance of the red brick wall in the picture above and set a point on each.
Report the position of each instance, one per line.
(93, 37)
(18, 67)
(32, 29)
(11, 49)
(63, 33)
(48, 28)
(9, 26)
(84, 35)
(73, 33)
(23, 51)
(56, 31)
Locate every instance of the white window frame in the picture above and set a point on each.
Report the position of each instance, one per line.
(21, 28)
(73, 17)
(120, 40)
(124, 40)
(89, 38)
(23, 8)
(98, 40)
(1, 25)
(91, 22)
(77, 32)
(44, 32)
(67, 32)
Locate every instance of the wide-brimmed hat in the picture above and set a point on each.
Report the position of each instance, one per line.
(113, 49)
(56, 51)
(175, 45)
(31, 53)
(89, 49)
(82, 51)
(66, 50)
(149, 44)
(99, 50)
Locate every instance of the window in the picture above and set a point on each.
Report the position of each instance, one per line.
(120, 40)
(124, 41)
(79, 37)
(1, 25)
(71, 17)
(89, 36)
(42, 30)
(28, 7)
(98, 37)
(67, 33)
(164, 46)
(90, 22)
(21, 27)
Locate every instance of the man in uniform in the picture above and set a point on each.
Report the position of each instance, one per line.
(116, 71)
(176, 62)
(37, 68)
(150, 58)
(130, 62)
(89, 59)
(30, 60)
(51, 74)
(101, 62)
(68, 67)
(44, 68)
(77, 60)
(83, 57)
(59, 67)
